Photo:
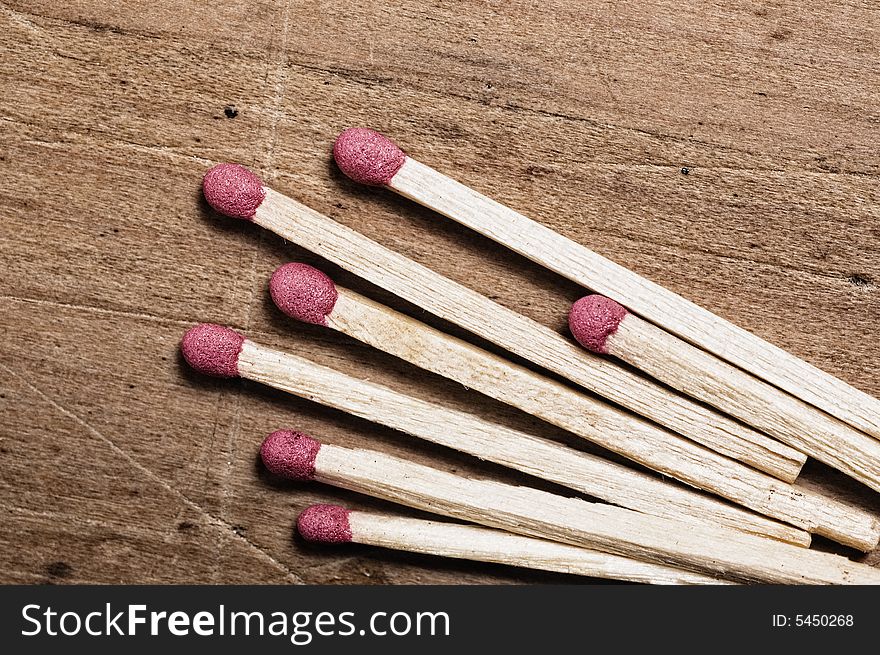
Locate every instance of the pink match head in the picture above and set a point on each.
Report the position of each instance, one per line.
(327, 524)
(367, 157)
(303, 292)
(212, 349)
(593, 319)
(233, 190)
(290, 454)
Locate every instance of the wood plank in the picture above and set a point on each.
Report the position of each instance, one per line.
(110, 113)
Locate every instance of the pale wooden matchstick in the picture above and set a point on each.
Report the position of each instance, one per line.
(370, 158)
(306, 294)
(216, 350)
(697, 547)
(334, 524)
(237, 192)
(604, 326)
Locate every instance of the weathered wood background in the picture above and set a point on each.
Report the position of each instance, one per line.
(727, 150)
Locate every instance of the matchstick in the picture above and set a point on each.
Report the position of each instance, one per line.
(523, 510)
(334, 524)
(236, 191)
(370, 158)
(604, 326)
(306, 294)
(216, 350)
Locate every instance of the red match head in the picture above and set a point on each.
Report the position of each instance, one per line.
(367, 157)
(327, 524)
(212, 349)
(233, 190)
(290, 454)
(593, 319)
(303, 292)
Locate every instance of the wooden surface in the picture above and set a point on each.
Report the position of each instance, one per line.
(726, 150)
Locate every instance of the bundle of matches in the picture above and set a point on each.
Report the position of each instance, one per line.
(691, 546)
(235, 191)
(740, 438)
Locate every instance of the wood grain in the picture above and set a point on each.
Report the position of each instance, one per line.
(120, 466)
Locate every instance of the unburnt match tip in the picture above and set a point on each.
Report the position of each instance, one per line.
(367, 157)
(593, 319)
(212, 349)
(290, 454)
(233, 190)
(327, 524)
(303, 292)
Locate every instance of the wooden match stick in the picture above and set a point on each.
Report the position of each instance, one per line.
(370, 158)
(216, 350)
(604, 326)
(307, 294)
(523, 510)
(334, 524)
(236, 191)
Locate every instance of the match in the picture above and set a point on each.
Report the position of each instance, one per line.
(235, 191)
(371, 158)
(216, 350)
(604, 326)
(713, 551)
(306, 294)
(334, 524)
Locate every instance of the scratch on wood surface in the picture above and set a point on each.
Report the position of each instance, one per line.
(101, 139)
(91, 309)
(276, 114)
(21, 18)
(280, 81)
(210, 518)
(94, 26)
